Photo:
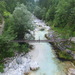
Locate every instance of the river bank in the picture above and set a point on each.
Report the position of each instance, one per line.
(41, 60)
(63, 49)
(46, 57)
(60, 45)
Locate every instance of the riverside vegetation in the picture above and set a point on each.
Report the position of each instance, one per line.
(58, 14)
(17, 25)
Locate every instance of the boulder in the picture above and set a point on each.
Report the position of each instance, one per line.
(73, 39)
(68, 51)
(13, 65)
(34, 66)
(19, 60)
(26, 69)
(29, 36)
(71, 71)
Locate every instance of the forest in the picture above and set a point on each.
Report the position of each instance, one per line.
(16, 15)
(60, 14)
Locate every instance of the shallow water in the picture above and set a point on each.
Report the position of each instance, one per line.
(45, 56)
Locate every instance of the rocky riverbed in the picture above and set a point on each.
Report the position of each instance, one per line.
(20, 65)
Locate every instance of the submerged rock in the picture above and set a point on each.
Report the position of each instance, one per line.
(34, 66)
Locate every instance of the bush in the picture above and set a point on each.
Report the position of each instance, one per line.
(64, 55)
(23, 47)
(6, 47)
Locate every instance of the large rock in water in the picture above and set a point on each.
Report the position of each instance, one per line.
(71, 71)
(34, 66)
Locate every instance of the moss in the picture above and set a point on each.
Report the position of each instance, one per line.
(64, 55)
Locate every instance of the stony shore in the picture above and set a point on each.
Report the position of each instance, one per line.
(61, 46)
(20, 65)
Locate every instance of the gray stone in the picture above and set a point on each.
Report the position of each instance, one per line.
(19, 60)
(29, 37)
(71, 71)
(13, 65)
(34, 66)
(73, 39)
(6, 65)
(68, 51)
(27, 69)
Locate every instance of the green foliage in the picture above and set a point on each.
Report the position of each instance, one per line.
(59, 14)
(23, 47)
(43, 12)
(40, 13)
(16, 26)
(64, 55)
(5, 47)
(1, 67)
(2, 7)
(50, 14)
(10, 5)
(30, 6)
(6, 14)
(22, 21)
(37, 12)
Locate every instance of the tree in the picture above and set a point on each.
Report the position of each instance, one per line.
(2, 7)
(30, 6)
(22, 19)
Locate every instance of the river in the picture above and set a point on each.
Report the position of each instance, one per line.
(44, 54)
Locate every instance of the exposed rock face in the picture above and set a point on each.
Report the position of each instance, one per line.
(71, 71)
(34, 66)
